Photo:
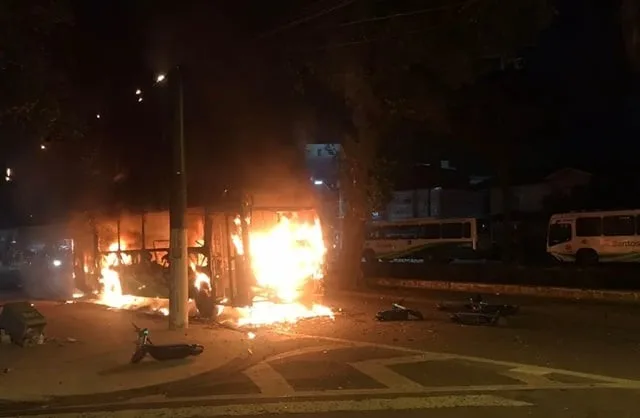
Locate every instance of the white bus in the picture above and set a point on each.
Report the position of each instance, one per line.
(424, 240)
(592, 237)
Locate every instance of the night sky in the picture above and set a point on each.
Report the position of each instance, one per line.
(240, 109)
(121, 44)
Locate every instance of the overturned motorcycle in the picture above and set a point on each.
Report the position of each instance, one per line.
(399, 313)
(163, 352)
(478, 305)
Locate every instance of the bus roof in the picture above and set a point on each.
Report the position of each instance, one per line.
(575, 215)
(420, 221)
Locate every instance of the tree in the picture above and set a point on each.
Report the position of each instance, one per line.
(387, 65)
(34, 84)
(495, 117)
(36, 101)
(629, 16)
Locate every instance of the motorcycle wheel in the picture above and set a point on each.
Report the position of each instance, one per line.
(137, 356)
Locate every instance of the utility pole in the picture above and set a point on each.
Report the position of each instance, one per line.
(245, 280)
(179, 259)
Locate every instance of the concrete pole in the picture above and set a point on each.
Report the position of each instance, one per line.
(179, 259)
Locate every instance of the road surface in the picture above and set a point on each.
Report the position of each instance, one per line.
(554, 360)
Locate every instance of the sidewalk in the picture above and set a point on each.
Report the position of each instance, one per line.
(88, 349)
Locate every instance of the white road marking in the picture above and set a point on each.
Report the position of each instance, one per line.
(536, 373)
(534, 376)
(308, 350)
(313, 407)
(269, 381)
(387, 377)
(610, 381)
(420, 358)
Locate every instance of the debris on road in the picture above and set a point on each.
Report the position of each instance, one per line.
(478, 305)
(23, 323)
(163, 352)
(399, 313)
(472, 318)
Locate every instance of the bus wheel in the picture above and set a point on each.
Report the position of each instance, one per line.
(586, 257)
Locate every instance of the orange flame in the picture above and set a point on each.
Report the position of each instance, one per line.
(283, 259)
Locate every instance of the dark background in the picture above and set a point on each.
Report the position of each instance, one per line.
(242, 112)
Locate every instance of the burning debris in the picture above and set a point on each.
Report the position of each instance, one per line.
(284, 260)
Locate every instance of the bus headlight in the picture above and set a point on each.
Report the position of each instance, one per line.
(57, 263)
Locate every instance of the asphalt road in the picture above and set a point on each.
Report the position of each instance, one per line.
(555, 359)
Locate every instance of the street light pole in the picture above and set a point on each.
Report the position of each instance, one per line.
(179, 257)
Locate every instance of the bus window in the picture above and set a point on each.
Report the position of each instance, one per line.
(559, 233)
(430, 231)
(616, 226)
(402, 232)
(589, 227)
(452, 230)
(466, 230)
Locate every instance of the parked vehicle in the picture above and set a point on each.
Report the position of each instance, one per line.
(591, 237)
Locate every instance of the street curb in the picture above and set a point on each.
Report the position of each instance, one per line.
(508, 289)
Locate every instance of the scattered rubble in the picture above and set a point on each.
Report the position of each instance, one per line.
(399, 313)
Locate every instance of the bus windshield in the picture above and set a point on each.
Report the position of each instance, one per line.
(559, 233)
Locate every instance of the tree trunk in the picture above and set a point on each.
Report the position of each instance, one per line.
(629, 15)
(507, 209)
(351, 254)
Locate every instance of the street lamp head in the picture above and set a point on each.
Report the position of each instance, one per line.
(160, 78)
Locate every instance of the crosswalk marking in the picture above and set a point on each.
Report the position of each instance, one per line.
(314, 407)
(387, 377)
(530, 375)
(599, 380)
(308, 350)
(269, 381)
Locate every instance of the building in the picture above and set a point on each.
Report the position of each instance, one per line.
(530, 195)
(322, 162)
(437, 203)
(435, 190)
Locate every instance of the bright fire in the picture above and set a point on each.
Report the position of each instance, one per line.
(284, 259)
(111, 293)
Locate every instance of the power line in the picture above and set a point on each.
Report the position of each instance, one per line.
(370, 40)
(308, 18)
(408, 14)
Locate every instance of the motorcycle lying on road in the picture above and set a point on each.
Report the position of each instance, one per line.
(163, 352)
(478, 305)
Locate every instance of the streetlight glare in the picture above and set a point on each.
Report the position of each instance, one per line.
(43, 146)
(139, 99)
(138, 92)
(98, 116)
(160, 78)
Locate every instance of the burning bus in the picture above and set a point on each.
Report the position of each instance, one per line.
(126, 256)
